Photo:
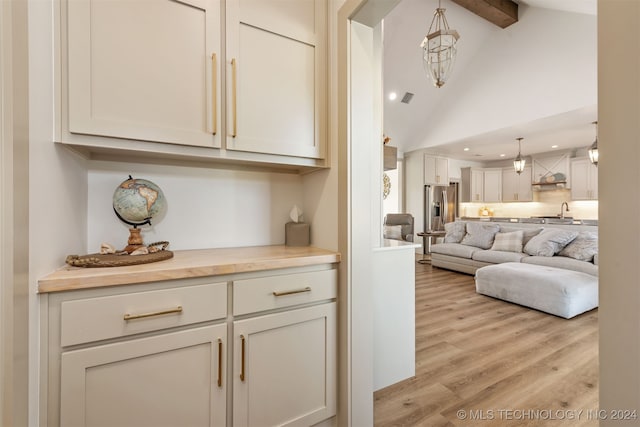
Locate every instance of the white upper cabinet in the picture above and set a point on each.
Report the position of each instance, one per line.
(149, 78)
(144, 70)
(492, 185)
(516, 188)
(276, 72)
(584, 180)
(436, 170)
(472, 185)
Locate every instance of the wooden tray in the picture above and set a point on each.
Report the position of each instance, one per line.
(112, 260)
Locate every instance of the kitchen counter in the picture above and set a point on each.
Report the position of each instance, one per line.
(534, 220)
(187, 264)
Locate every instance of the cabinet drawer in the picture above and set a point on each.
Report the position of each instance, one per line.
(101, 318)
(266, 293)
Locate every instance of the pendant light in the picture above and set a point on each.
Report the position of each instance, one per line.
(519, 162)
(593, 150)
(439, 48)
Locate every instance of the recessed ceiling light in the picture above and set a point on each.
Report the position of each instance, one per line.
(554, 146)
(393, 96)
(502, 155)
(466, 148)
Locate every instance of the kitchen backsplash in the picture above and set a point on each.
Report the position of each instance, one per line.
(545, 203)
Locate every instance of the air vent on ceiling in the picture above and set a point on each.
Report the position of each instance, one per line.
(407, 97)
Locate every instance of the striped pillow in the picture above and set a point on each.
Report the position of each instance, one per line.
(508, 242)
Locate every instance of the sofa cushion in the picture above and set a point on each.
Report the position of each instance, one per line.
(527, 233)
(480, 235)
(454, 249)
(583, 247)
(595, 259)
(549, 242)
(508, 242)
(498, 257)
(563, 262)
(392, 232)
(455, 231)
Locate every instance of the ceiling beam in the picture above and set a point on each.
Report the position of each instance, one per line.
(499, 12)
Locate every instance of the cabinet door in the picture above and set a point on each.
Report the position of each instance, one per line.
(276, 68)
(442, 171)
(285, 368)
(144, 70)
(174, 379)
(477, 185)
(524, 185)
(581, 179)
(593, 181)
(510, 181)
(430, 170)
(516, 188)
(493, 185)
(436, 170)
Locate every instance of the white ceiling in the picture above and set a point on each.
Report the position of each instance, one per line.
(536, 79)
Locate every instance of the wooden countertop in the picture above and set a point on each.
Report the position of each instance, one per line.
(186, 264)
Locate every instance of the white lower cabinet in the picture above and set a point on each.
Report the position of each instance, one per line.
(174, 379)
(158, 354)
(285, 368)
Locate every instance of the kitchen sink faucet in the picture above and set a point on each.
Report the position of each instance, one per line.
(562, 209)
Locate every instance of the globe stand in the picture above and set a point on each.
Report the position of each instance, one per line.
(132, 199)
(135, 240)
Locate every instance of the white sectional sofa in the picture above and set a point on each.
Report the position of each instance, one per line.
(552, 269)
(460, 253)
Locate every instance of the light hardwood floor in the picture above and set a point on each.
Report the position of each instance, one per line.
(485, 362)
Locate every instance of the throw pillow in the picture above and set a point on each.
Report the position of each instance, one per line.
(455, 232)
(583, 247)
(392, 232)
(508, 242)
(549, 242)
(528, 233)
(480, 235)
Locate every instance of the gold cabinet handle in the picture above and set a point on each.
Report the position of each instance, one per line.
(295, 291)
(234, 103)
(214, 92)
(242, 358)
(219, 362)
(176, 310)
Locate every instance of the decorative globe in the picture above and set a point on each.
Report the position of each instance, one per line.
(136, 201)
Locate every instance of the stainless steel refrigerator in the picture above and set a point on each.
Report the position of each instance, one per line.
(440, 205)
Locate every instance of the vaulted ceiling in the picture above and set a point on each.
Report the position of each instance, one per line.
(535, 79)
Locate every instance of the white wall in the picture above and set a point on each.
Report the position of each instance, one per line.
(320, 188)
(10, 406)
(57, 180)
(393, 202)
(619, 179)
(207, 208)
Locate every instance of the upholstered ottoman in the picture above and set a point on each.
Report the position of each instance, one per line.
(565, 293)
